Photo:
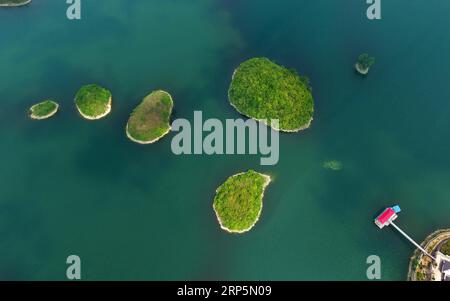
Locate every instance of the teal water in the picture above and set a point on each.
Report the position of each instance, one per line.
(131, 212)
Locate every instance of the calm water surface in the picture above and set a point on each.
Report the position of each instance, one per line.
(68, 186)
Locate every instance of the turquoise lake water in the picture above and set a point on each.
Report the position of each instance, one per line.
(132, 212)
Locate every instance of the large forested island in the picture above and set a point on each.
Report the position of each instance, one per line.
(10, 3)
(43, 110)
(93, 102)
(263, 90)
(150, 121)
(238, 202)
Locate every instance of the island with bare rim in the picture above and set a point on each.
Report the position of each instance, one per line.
(43, 110)
(239, 200)
(150, 121)
(264, 91)
(14, 3)
(364, 63)
(93, 102)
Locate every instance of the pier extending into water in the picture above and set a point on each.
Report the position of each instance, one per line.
(387, 218)
(412, 241)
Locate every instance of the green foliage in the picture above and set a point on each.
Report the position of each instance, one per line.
(92, 100)
(414, 263)
(262, 89)
(445, 249)
(420, 276)
(365, 61)
(305, 80)
(238, 201)
(151, 119)
(43, 108)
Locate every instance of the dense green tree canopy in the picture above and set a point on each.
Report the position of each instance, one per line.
(43, 108)
(261, 89)
(446, 248)
(238, 201)
(92, 100)
(365, 61)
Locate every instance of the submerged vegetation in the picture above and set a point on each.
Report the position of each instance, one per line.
(150, 121)
(43, 110)
(238, 201)
(333, 165)
(261, 89)
(93, 101)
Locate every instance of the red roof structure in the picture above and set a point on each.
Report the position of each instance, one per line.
(386, 215)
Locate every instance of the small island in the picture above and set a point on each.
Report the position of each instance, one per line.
(14, 3)
(238, 202)
(263, 90)
(423, 268)
(43, 110)
(93, 102)
(150, 121)
(364, 63)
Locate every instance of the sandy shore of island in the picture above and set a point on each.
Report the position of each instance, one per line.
(265, 121)
(147, 142)
(15, 4)
(35, 117)
(361, 70)
(268, 180)
(108, 110)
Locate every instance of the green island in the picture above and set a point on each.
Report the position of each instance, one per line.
(333, 165)
(14, 3)
(263, 90)
(150, 121)
(364, 63)
(238, 202)
(422, 267)
(93, 102)
(43, 110)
